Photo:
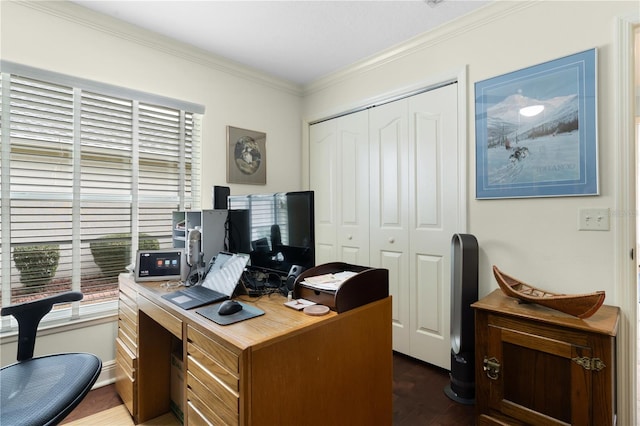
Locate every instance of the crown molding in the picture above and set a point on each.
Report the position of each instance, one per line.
(469, 22)
(116, 28)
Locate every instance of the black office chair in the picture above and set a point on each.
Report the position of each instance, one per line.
(43, 390)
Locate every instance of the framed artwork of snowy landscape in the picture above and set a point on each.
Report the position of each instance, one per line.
(536, 130)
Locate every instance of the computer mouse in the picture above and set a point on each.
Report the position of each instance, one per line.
(229, 307)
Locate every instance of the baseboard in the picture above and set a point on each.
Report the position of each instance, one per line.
(107, 375)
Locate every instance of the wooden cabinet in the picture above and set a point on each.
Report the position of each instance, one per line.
(535, 365)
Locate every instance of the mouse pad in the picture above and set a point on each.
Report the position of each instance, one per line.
(211, 312)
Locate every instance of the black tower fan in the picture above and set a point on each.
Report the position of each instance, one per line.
(464, 292)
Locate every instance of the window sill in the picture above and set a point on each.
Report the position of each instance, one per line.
(59, 321)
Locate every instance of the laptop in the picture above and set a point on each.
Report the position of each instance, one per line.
(218, 284)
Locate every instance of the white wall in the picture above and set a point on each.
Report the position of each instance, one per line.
(534, 239)
(96, 337)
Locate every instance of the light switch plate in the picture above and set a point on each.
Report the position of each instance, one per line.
(593, 220)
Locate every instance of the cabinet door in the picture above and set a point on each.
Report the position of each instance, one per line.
(538, 381)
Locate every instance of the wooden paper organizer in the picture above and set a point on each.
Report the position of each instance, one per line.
(369, 285)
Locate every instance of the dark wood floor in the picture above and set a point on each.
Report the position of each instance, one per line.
(418, 397)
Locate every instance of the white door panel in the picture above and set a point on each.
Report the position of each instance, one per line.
(388, 134)
(433, 215)
(322, 175)
(353, 221)
(352, 255)
(397, 264)
(325, 253)
(339, 175)
(389, 178)
(430, 319)
(426, 161)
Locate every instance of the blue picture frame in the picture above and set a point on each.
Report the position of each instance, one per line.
(536, 130)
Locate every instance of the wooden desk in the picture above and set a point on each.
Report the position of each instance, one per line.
(282, 368)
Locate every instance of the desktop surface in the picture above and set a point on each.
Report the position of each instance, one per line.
(277, 318)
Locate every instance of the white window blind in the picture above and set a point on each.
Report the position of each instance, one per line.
(88, 174)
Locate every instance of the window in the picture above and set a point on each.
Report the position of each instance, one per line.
(88, 173)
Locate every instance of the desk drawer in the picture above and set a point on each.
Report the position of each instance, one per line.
(128, 323)
(320, 297)
(197, 418)
(159, 315)
(211, 366)
(212, 399)
(127, 289)
(218, 353)
(127, 299)
(200, 414)
(129, 308)
(127, 340)
(126, 384)
(126, 357)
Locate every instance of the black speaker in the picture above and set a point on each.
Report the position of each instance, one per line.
(464, 292)
(276, 238)
(293, 274)
(220, 195)
(239, 231)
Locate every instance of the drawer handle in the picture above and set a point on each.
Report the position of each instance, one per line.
(492, 367)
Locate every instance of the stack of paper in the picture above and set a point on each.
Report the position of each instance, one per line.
(331, 281)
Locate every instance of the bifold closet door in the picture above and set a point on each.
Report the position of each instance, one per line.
(322, 180)
(339, 152)
(389, 212)
(415, 209)
(388, 194)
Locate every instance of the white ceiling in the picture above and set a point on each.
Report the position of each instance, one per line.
(299, 41)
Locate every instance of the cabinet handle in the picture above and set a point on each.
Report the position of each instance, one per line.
(492, 367)
(349, 237)
(587, 363)
(392, 240)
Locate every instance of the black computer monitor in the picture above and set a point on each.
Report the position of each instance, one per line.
(276, 230)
